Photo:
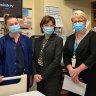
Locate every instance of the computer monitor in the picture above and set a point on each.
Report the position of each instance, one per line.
(13, 7)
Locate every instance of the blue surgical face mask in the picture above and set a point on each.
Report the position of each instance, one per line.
(14, 28)
(79, 26)
(48, 30)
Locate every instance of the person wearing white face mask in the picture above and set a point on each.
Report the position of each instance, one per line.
(79, 54)
(47, 55)
(15, 52)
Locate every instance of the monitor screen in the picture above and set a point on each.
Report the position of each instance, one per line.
(11, 7)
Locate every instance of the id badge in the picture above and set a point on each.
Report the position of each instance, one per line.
(73, 60)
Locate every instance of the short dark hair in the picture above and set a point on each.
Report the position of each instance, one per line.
(45, 20)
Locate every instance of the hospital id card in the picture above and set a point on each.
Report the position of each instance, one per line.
(73, 60)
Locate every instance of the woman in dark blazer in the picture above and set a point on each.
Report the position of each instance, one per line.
(79, 54)
(47, 57)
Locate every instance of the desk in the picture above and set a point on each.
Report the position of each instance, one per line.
(31, 93)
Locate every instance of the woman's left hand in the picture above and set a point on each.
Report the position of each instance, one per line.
(74, 72)
(75, 79)
(74, 75)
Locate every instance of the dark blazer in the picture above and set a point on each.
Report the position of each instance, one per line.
(52, 54)
(85, 53)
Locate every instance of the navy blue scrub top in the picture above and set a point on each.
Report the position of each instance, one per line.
(9, 56)
(20, 66)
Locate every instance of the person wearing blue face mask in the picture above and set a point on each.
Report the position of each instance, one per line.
(47, 55)
(14, 28)
(48, 30)
(15, 53)
(79, 26)
(79, 54)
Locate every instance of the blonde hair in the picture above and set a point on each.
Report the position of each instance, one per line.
(79, 14)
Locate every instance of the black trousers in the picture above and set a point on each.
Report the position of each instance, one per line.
(50, 87)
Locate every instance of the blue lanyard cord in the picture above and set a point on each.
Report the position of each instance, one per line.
(75, 47)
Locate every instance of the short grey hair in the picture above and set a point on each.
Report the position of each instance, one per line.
(79, 14)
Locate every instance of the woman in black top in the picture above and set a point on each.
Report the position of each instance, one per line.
(47, 57)
(79, 54)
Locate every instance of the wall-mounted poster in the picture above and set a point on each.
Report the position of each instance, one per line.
(26, 21)
(54, 12)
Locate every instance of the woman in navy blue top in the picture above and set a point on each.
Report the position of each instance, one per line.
(15, 52)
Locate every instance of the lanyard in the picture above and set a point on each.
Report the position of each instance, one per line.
(75, 47)
(73, 59)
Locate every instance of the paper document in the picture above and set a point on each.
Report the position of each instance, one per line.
(69, 85)
(31, 93)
